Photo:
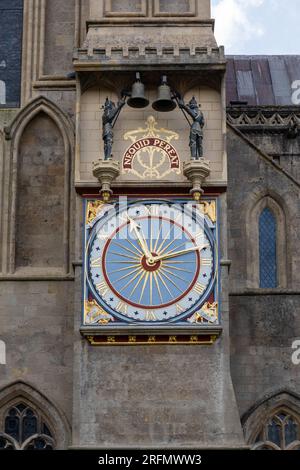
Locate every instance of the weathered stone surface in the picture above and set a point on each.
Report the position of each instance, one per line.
(36, 324)
(263, 325)
(59, 37)
(263, 329)
(40, 196)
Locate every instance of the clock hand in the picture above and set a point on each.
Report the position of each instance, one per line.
(177, 253)
(136, 228)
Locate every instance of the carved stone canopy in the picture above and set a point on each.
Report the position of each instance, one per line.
(275, 119)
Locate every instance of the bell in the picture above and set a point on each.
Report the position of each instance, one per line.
(164, 102)
(137, 98)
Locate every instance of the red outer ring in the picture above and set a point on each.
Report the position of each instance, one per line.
(145, 306)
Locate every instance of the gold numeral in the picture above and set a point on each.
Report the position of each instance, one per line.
(199, 288)
(155, 210)
(150, 316)
(179, 308)
(206, 262)
(122, 307)
(102, 288)
(103, 236)
(201, 235)
(96, 263)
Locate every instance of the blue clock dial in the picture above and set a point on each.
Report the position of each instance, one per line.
(151, 262)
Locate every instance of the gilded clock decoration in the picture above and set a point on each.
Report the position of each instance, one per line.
(208, 313)
(93, 210)
(95, 314)
(151, 154)
(209, 208)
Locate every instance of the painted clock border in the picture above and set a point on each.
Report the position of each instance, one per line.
(102, 325)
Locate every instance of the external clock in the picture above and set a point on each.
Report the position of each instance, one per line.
(151, 262)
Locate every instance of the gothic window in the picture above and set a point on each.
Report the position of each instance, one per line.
(2, 92)
(11, 26)
(25, 429)
(267, 244)
(267, 249)
(280, 432)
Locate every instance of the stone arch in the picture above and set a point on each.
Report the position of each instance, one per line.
(258, 203)
(21, 392)
(253, 421)
(40, 106)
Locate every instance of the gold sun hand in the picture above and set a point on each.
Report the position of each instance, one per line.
(177, 253)
(136, 228)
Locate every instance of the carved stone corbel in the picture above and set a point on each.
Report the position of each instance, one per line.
(106, 171)
(196, 172)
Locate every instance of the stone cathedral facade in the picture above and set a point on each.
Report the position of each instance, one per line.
(149, 246)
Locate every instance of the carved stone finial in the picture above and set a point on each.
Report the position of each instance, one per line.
(106, 171)
(196, 171)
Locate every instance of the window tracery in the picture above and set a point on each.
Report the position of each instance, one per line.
(25, 429)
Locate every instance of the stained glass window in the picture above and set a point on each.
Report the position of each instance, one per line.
(11, 27)
(280, 432)
(25, 429)
(267, 249)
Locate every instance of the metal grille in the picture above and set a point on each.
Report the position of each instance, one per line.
(267, 250)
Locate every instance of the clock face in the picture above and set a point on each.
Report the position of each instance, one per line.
(151, 262)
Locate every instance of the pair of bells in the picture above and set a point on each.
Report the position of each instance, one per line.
(164, 102)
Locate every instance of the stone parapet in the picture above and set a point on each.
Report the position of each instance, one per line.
(131, 43)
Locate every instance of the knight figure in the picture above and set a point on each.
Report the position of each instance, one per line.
(109, 117)
(196, 132)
